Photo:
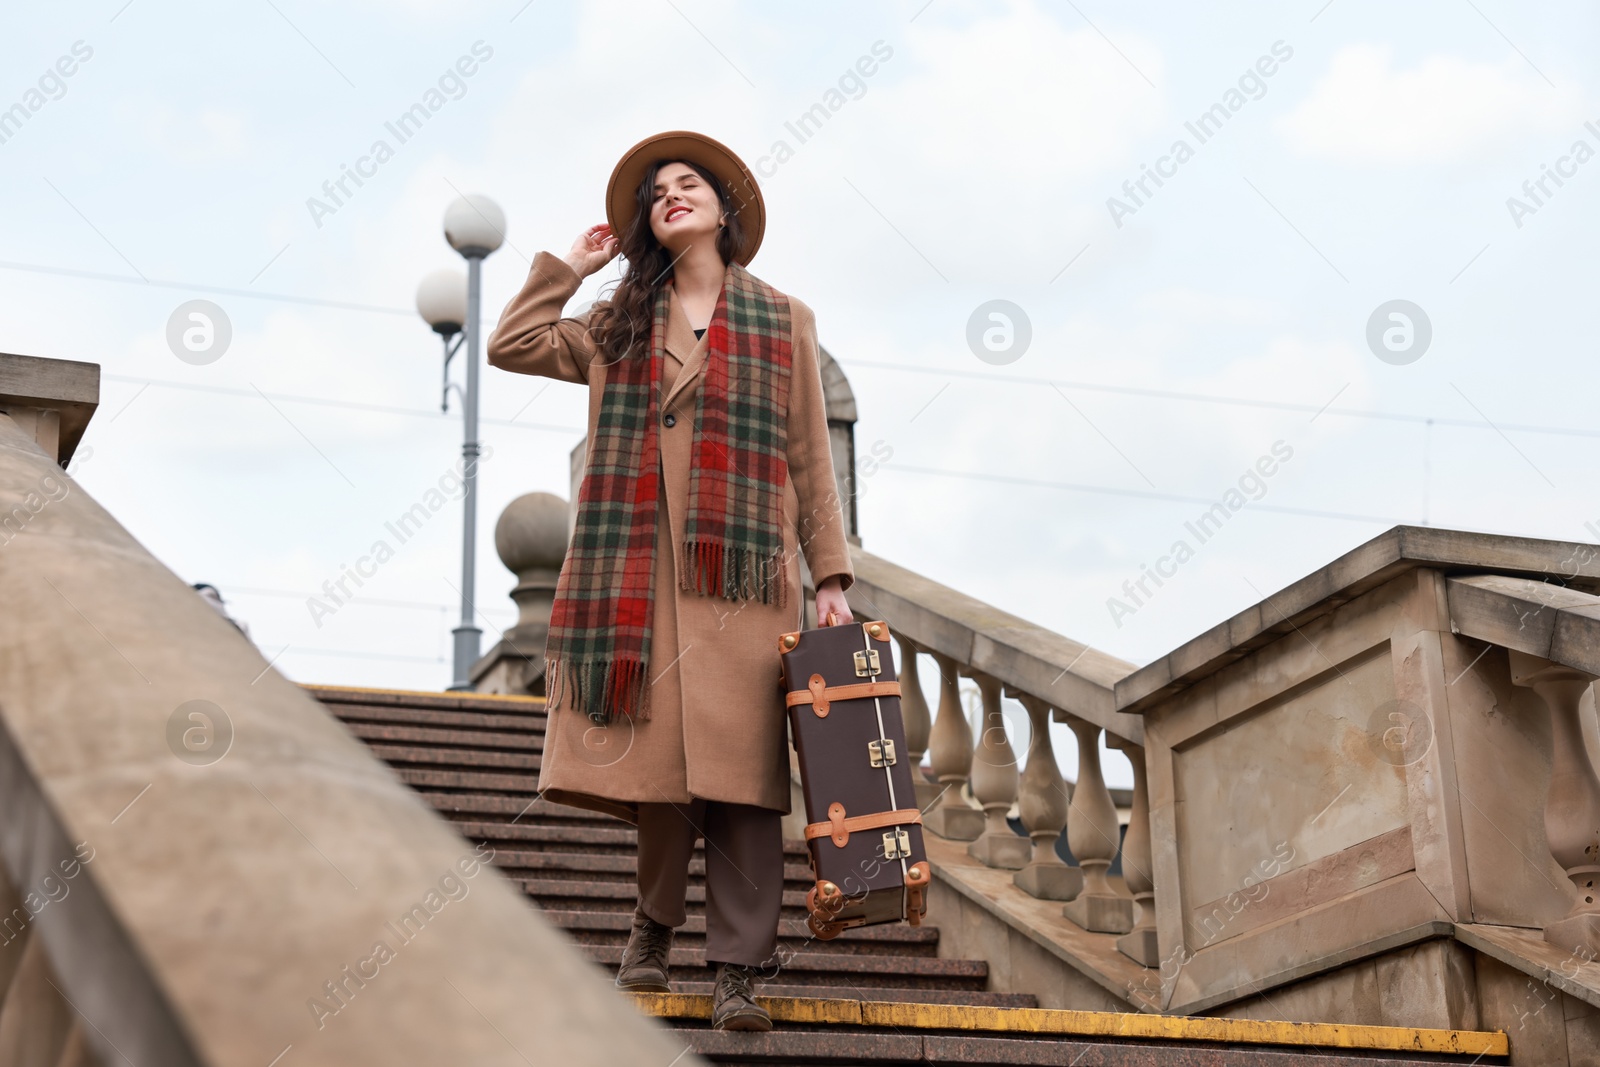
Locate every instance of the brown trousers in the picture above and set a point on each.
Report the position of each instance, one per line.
(744, 873)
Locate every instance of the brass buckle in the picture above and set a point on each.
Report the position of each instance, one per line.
(881, 752)
(896, 845)
(867, 663)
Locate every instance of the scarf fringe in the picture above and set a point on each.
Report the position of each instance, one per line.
(735, 572)
(603, 689)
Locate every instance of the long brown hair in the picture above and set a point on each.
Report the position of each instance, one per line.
(621, 323)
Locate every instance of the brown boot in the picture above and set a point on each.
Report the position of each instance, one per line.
(644, 961)
(733, 1007)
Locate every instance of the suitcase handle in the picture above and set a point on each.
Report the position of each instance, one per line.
(832, 619)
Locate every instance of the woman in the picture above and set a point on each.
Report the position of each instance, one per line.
(708, 473)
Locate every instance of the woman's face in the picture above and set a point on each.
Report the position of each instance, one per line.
(683, 208)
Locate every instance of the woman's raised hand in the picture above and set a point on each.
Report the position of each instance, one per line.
(593, 249)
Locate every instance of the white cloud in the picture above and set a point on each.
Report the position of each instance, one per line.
(204, 136)
(1367, 110)
(1196, 306)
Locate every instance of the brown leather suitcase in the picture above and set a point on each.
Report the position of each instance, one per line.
(864, 831)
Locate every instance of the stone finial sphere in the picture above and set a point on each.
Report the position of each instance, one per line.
(532, 532)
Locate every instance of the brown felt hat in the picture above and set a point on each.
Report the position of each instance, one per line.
(715, 156)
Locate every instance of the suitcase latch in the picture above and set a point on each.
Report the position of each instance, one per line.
(881, 752)
(867, 663)
(896, 845)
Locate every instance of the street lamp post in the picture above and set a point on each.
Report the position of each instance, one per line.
(442, 303)
(475, 227)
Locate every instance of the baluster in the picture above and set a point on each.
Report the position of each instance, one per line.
(914, 710)
(994, 785)
(1043, 807)
(1572, 806)
(1139, 943)
(1093, 836)
(950, 746)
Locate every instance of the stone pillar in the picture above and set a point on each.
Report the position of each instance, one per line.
(840, 402)
(1138, 944)
(531, 538)
(1043, 807)
(994, 784)
(950, 745)
(918, 723)
(1093, 836)
(50, 400)
(1572, 807)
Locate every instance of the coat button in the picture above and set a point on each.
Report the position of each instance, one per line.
(669, 419)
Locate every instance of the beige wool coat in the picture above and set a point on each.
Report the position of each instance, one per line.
(717, 719)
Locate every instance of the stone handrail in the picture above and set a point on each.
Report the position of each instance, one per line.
(1050, 675)
(1552, 636)
(201, 866)
(1066, 674)
(50, 400)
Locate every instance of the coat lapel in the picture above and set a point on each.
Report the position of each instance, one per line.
(681, 342)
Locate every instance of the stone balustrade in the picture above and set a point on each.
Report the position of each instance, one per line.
(1053, 677)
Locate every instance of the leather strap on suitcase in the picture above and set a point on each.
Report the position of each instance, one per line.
(818, 693)
(839, 827)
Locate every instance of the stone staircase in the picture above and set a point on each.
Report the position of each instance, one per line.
(476, 759)
(880, 996)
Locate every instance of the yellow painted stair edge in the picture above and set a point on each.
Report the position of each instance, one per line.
(1091, 1024)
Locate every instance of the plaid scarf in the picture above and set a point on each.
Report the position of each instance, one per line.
(600, 624)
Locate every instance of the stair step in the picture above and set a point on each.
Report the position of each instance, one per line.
(842, 968)
(886, 994)
(794, 936)
(611, 928)
(441, 737)
(624, 864)
(532, 810)
(811, 1030)
(615, 834)
(558, 894)
(903, 933)
(528, 724)
(795, 1046)
(468, 759)
(475, 781)
(340, 696)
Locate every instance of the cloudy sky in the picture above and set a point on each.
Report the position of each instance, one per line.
(1180, 327)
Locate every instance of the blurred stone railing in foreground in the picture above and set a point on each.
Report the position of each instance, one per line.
(198, 864)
